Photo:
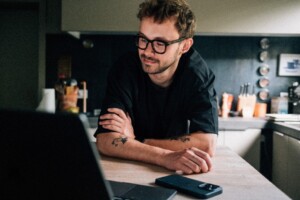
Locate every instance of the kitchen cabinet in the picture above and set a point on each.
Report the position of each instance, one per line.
(279, 163)
(101, 16)
(245, 143)
(286, 163)
(22, 50)
(293, 168)
(214, 17)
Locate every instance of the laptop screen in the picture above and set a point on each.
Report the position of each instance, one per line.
(47, 156)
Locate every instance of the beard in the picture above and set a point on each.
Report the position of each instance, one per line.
(155, 69)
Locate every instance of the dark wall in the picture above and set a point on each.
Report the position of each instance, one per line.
(234, 61)
(91, 65)
(19, 55)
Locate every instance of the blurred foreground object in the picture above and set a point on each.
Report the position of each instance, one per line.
(47, 103)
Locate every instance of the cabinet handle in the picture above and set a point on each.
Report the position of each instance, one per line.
(280, 134)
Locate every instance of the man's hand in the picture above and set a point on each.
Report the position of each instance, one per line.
(188, 161)
(117, 121)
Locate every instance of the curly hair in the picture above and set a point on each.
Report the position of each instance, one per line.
(161, 10)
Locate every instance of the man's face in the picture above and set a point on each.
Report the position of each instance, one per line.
(152, 62)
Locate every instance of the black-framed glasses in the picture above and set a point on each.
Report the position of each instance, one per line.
(159, 46)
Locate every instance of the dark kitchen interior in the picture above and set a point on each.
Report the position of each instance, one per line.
(257, 154)
(233, 59)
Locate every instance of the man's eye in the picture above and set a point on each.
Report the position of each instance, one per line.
(143, 40)
(159, 43)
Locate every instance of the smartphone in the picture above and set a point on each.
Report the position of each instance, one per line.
(189, 186)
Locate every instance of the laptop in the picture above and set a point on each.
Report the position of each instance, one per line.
(50, 156)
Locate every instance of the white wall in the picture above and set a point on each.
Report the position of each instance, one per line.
(215, 17)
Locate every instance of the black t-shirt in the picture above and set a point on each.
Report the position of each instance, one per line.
(188, 105)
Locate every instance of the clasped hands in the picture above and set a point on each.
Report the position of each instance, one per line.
(117, 121)
(187, 161)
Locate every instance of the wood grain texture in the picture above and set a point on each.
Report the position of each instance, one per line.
(238, 178)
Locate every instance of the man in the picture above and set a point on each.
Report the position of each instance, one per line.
(160, 104)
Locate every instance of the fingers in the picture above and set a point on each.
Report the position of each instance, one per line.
(188, 169)
(191, 167)
(111, 125)
(196, 163)
(117, 111)
(111, 122)
(116, 120)
(111, 116)
(128, 117)
(204, 158)
(189, 161)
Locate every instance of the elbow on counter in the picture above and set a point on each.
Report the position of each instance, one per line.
(211, 144)
(211, 150)
(101, 141)
(206, 142)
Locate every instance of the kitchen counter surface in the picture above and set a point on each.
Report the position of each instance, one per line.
(238, 179)
(231, 123)
(288, 128)
(240, 123)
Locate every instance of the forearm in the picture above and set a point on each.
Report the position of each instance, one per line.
(188, 161)
(120, 142)
(114, 144)
(203, 141)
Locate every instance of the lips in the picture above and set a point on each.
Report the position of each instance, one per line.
(148, 60)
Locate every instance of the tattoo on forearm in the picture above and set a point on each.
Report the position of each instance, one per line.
(181, 138)
(119, 140)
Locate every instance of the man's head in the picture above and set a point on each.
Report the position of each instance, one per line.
(161, 10)
(165, 33)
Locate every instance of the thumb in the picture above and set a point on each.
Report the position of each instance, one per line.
(128, 116)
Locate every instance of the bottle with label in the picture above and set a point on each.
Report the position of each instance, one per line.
(66, 87)
(279, 105)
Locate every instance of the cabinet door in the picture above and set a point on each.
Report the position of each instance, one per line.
(280, 161)
(246, 144)
(101, 16)
(293, 168)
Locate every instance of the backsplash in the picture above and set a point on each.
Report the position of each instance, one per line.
(233, 59)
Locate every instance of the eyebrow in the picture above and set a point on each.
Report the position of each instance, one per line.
(157, 38)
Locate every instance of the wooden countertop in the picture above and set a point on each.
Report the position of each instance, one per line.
(238, 179)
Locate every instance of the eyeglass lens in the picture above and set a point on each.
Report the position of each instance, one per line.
(157, 46)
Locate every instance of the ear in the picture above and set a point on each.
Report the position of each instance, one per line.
(187, 45)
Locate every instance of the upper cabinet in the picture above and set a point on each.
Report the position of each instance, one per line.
(100, 15)
(214, 17)
(247, 16)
